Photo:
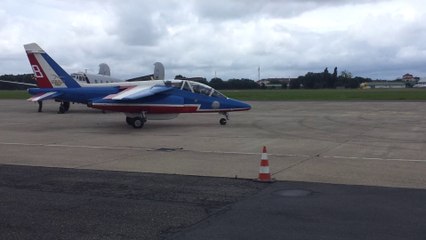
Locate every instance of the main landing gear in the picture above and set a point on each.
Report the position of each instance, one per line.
(135, 120)
(224, 120)
(64, 107)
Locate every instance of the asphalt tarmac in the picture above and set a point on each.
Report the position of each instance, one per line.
(58, 203)
(360, 165)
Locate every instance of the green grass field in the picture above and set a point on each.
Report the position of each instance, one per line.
(327, 94)
(14, 94)
(295, 95)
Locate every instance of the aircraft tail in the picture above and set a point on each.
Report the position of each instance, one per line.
(158, 71)
(104, 69)
(47, 72)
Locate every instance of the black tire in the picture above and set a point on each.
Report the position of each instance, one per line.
(222, 121)
(129, 121)
(61, 109)
(66, 106)
(138, 122)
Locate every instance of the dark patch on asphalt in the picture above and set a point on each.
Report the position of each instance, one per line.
(329, 212)
(293, 193)
(167, 149)
(57, 203)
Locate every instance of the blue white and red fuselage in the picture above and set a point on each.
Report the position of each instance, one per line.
(174, 96)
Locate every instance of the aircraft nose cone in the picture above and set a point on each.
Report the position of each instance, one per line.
(245, 106)
(240, 105)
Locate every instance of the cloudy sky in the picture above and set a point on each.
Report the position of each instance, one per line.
(286, 38)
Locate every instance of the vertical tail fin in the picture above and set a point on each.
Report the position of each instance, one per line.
(104, 69)
(47, 72)
(158, 71)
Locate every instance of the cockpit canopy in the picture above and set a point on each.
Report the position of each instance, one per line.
(195, 87)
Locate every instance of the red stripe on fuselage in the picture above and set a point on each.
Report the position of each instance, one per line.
(161, 108)
(42, 81)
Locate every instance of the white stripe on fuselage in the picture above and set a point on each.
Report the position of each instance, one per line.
(37, 98)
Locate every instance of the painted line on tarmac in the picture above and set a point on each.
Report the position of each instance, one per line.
(145, 149)
(378, 159)
(212, 152)
(248, 153)
(73, 146)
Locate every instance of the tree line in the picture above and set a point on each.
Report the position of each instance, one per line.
(20, 78)
(327, 80)
(310, 80)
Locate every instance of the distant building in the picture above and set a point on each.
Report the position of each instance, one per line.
(384, 84)
(407, 77)
(274, 82)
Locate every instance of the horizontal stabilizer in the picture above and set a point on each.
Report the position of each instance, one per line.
(20, 83)
(138, 92)
(44, 96)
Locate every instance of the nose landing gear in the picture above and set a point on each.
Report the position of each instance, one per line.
(224, 120)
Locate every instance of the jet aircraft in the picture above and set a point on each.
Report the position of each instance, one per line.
(138, 100)
(104, 76)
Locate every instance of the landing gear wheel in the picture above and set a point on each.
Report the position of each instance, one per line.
(66, 106)
(61, 109)
(222, 121)
(129, 121)
(138, 122)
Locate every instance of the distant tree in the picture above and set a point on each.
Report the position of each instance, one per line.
(346, 74)
(326, 79)
(333, 78)
(241, 84)
(295, 83)
(179, 77)
(21, 78)
(312, 80)
(308, 80)
(217, 83)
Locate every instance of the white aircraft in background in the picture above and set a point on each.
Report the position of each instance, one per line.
(104, 75)
(420, 84)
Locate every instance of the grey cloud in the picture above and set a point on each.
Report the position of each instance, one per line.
(145, 23)
(245, 9)
(197, 38)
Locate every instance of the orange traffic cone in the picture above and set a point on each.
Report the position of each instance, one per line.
(264, 172)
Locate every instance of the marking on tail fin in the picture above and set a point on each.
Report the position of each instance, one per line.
(63, 76)
(40, 75)
(37, 71)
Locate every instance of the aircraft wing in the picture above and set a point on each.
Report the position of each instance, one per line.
(20, 83)
(44, 96)
(138, 92)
